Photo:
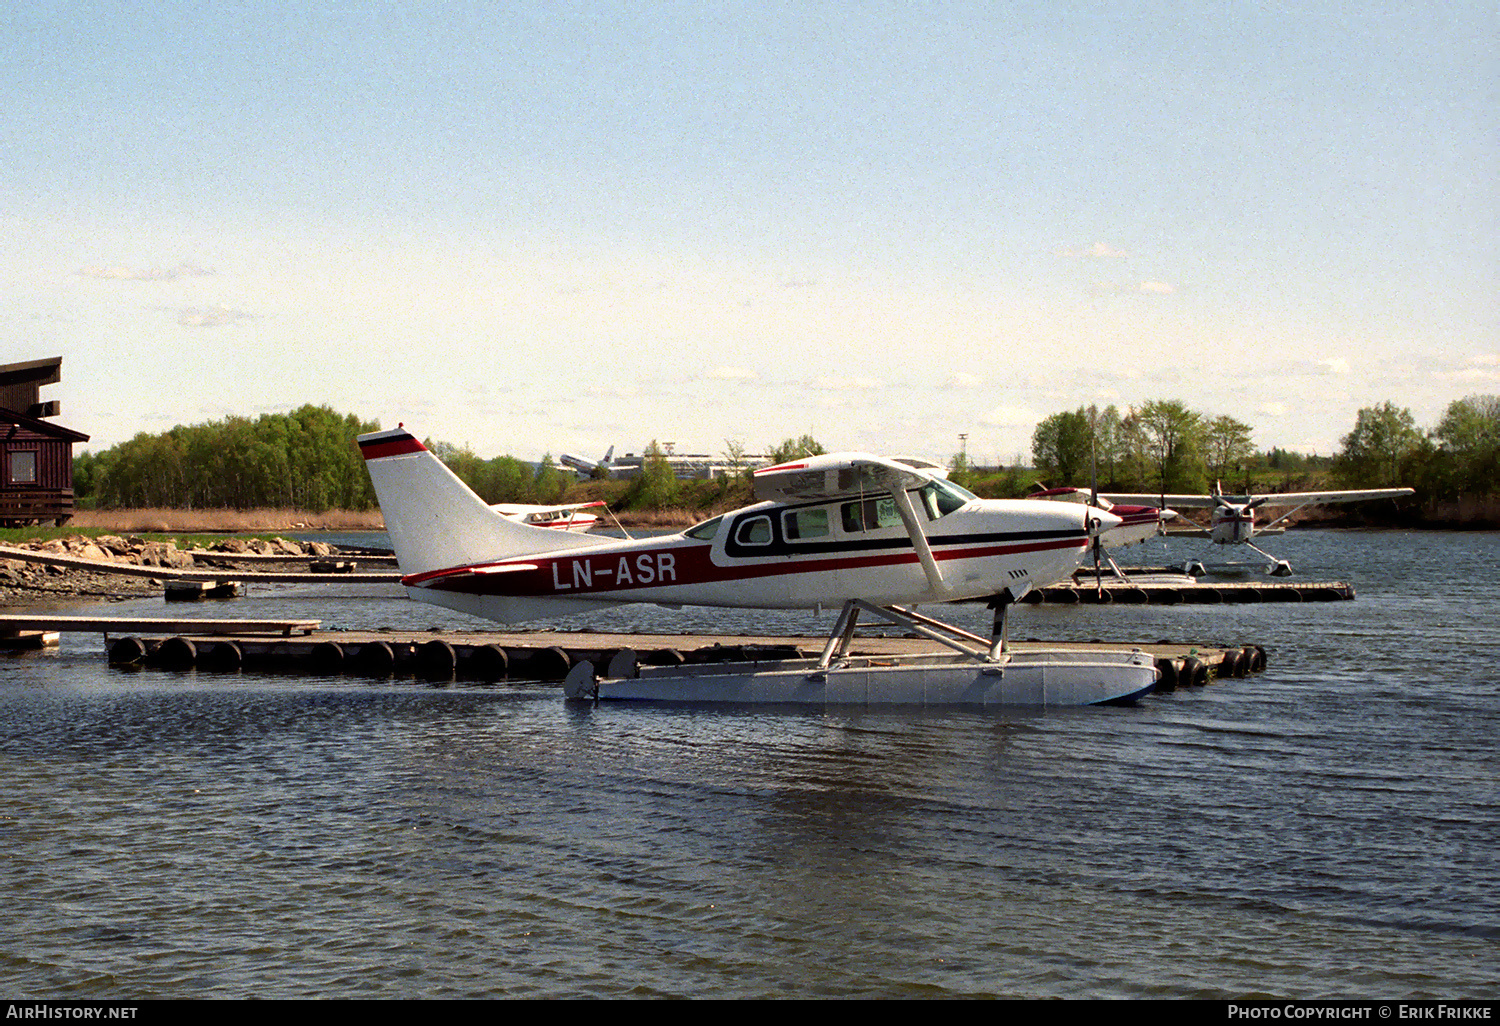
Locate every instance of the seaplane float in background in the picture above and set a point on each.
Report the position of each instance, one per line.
(851, 531)
(557, 518)
(1233, 519)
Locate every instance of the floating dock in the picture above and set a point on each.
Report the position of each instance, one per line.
(547, 657)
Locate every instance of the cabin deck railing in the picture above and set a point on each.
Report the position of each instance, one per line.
(35, 503)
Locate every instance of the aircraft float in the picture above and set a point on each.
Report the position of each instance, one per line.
(851, 531)
(1233, 520)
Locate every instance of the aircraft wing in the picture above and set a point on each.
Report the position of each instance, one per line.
(1158, 500)
(1275, 499)
(836, 474)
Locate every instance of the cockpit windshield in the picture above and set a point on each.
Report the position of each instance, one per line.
(704, 531)
(941, 497)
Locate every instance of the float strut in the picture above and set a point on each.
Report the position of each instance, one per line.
(1000, 632)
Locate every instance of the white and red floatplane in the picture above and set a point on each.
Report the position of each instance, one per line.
(851, 531)
(557, 518)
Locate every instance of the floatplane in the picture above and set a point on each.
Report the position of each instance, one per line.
(855, 532)
(1233, 518)
(1138, 523)
(558, 518)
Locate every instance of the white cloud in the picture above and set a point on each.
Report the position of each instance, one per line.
(145, 274)
(1008, 416)
(1481, 369)
(1334, 365)
(1272, 409)
(730, 374)
(841, 384)
(210, 317)
(1159, 287)
(963, 379)
(1098, 251)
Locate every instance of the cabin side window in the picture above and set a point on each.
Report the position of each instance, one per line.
(869, 514)
(753, 531)
(801, 524)
(21, 467)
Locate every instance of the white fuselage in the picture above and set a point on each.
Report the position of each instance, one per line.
(1232, 525)
(783, 556)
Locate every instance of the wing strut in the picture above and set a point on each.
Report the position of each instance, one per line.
(918, 537)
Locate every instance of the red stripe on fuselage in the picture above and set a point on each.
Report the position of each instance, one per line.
(586, 573)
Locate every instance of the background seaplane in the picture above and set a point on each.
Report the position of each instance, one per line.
(1233, 519)
(1138, 523)
(851, 531)
(557, 518)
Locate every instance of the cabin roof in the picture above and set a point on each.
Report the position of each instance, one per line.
(8, 416)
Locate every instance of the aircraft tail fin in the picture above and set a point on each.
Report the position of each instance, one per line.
(434, 520)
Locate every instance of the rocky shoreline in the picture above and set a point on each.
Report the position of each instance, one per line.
(23, 583)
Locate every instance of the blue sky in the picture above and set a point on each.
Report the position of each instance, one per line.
(556, 227)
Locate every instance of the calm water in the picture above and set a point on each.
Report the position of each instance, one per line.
(1328, 829)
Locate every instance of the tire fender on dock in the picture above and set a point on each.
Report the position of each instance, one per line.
(127, 652)
(1194, 673)
(176, 653)
(377, 659)
(436, 660)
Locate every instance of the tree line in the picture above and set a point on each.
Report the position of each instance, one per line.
(1460, 456)
(1165, 446)
(306, 459)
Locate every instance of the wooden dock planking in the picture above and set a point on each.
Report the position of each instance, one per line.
(106, 625)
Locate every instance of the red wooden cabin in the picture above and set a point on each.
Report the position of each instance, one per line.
(36, 456)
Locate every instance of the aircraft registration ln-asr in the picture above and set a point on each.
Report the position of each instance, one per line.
(850, 531)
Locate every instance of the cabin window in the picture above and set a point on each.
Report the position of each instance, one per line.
(22, 466)
(805, 523)
(704, 531)
(754, 531)
(869, 514)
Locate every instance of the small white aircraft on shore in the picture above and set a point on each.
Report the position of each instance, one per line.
(1233, 521)
(557, 518)
(847, 530)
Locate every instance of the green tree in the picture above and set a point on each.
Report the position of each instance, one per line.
(1062, 448)
(1174, 438)
(656, 486)
(1375, 453)
(306, 458)
(1469, 436)
(550, 483)
(1227, 446)
(795, 448)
